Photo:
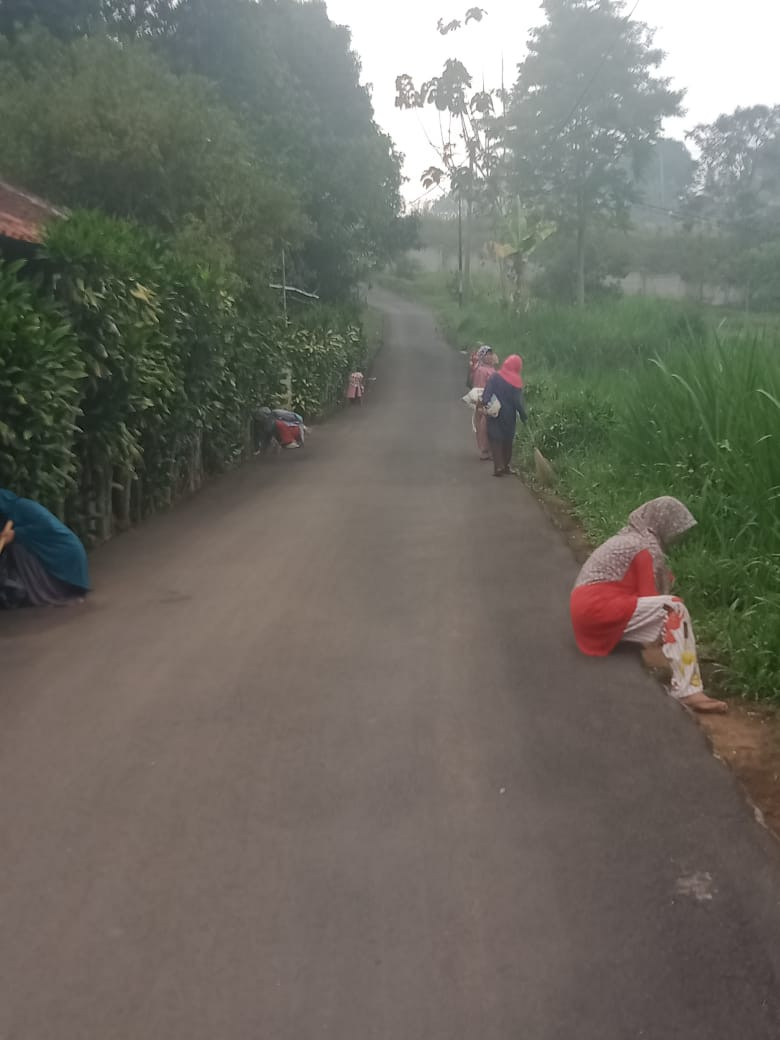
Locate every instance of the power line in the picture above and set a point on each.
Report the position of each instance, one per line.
(424, 195)
(686, 218)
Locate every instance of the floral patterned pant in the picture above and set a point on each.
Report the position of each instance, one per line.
(679, 649)
(667, 617)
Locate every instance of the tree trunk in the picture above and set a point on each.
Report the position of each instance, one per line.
(137, 510)
(195, 462)
(503, 278)
(581, 257)
(124, 496)
(467, 249)
(460, 249)
(107, 502)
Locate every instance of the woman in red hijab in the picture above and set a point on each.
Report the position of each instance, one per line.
(506, 386)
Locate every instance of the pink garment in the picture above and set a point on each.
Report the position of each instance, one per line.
(356, 385)
(483, 441)
(512, 371)
(481, 375)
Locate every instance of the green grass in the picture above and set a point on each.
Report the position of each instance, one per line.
(635, 398)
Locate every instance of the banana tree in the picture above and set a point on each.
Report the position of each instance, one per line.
(521, 234)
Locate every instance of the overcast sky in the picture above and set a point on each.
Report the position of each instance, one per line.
(723, 52)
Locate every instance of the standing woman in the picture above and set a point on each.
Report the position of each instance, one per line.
(42, 562)
(623, 591)
(486, 363)
(356, 388)
(506, 386)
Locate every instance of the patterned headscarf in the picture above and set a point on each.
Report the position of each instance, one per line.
(482, 353)
(653, 527)
(666, 518)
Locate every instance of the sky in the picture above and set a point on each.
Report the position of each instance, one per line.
(723, 52)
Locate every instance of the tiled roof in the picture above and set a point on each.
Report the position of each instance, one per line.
(22, 216)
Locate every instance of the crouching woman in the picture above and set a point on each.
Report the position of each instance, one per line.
(623, 591)
(42, 562)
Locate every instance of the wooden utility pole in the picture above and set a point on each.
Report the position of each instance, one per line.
(460, 248)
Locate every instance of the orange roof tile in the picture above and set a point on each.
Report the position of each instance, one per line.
(22, 215)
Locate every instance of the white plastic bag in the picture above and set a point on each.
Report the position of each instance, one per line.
(473, 397)
(493, 407)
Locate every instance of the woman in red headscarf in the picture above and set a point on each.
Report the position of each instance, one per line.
(506, 387)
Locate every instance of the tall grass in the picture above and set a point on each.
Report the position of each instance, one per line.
(637, 398)
(706, 416)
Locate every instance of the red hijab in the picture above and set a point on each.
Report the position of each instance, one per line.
(512, 371)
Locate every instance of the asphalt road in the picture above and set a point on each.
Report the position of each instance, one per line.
(319, 760)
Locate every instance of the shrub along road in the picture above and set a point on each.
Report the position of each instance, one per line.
(320, 759)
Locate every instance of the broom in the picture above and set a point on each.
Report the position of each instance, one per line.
(545, 474)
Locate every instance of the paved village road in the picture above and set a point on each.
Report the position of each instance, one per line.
(319, 760)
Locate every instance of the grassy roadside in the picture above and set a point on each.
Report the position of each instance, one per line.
(634, 398)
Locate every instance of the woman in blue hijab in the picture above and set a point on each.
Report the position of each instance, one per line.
(42, 562)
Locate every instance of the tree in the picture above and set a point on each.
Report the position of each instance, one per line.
(70, 19)
(585, 110)
(292, 78)
(241, 125)
(736, 193)
(139, 18)
(738, 176)
(63, 18)
(664, 183)
(469, 151)
(95, 124)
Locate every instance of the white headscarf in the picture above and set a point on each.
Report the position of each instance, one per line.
(653, 527)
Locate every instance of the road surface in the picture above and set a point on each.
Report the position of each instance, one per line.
(319, 760)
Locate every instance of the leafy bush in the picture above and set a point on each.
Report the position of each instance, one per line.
(320, 361)
(567, 419)
(41, 380)
(164, 361)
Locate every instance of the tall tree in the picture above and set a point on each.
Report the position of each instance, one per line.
(63, 18)
(294, 80)
(70, 19)
(738, 175)
(467, 152)
(586, 108)
(664, 183)
(96, 124)
(737, 194)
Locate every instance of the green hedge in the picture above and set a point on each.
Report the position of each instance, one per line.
(42, 377)
(133, 372)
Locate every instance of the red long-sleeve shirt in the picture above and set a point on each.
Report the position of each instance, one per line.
(600, 612)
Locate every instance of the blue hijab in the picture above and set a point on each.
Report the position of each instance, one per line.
(42, 534)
